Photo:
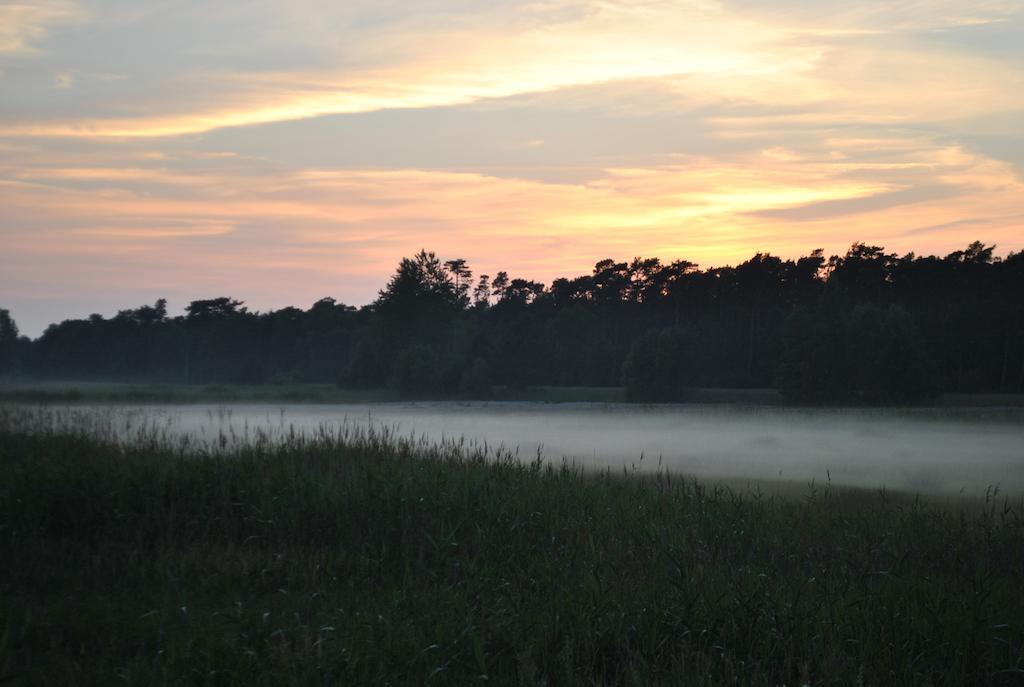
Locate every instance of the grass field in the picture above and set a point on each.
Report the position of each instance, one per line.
(128, 393)
(111, 392)
(361, 558)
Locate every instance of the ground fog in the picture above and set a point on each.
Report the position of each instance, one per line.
(919, 450)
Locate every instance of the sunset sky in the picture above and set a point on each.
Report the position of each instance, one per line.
(279, 152)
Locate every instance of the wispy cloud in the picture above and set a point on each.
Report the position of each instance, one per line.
(867, 65)
(261, 216)
(301, 148)
(24, 24)
(420, 62)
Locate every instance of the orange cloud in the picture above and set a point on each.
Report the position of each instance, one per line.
(333, 225)
(24, 23)
(842, 68)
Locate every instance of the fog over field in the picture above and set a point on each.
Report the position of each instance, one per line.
(920, 450)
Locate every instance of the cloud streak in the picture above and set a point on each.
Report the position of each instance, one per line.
(700, 208)
(24, 24)
(710, 52)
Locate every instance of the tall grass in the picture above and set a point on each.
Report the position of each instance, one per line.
(362, 557)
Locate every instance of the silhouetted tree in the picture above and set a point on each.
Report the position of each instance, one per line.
(420, 292)
(499, 284)
(482, 292)
(813, 363)
(866, 271)
(213, 308)
(476, 380)
(461, 275)
(368, 366)
(864, 326)
(417, 370)
(611, 281)
(8, 342)
(521, 292)
(887, 357)
(659, 366)
(870, 353)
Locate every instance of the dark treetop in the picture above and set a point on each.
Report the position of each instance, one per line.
(864, 326)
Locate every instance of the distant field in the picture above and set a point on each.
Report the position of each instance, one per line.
(365, 558)
(72, 392)
(183, 393)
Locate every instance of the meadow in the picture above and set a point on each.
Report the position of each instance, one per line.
(61, 392)
(362, 556)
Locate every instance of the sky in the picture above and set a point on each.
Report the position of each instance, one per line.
(281, 152)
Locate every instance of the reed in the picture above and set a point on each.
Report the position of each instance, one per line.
(361, 556)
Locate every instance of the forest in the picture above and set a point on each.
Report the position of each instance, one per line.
(867, 326)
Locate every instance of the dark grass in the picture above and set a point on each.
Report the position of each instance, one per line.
(56, 392)
(134, 393)
(360, 558)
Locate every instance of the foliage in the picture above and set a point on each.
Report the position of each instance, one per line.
(476, 380)
(870, 354)
(888, 358)
(866, 325)
(417, 370)
(8, 342)
(420, 290)
(658, 367)
(367, 367)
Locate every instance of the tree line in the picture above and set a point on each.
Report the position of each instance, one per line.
(864, 326)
